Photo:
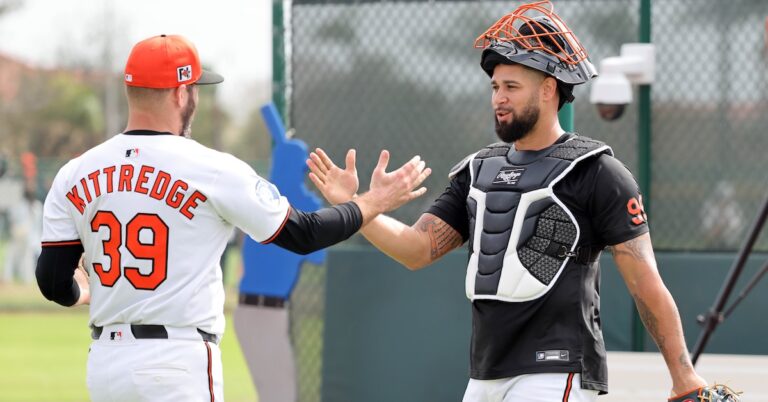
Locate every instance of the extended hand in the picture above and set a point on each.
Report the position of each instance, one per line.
(81, 277)
(391, 190)
(336, 185)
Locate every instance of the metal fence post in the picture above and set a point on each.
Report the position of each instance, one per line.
(566, 117)
(278, 58)
(643, 155)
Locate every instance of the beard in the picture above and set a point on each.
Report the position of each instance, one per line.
(187, 114)
(520, 126)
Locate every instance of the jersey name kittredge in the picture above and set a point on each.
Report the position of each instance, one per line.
(160, 186)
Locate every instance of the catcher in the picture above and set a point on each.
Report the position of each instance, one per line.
(537, 209)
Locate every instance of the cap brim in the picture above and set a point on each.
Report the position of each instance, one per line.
(208, 78)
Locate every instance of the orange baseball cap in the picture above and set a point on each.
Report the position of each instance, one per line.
(166, 61)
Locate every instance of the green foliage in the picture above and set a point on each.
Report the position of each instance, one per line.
(57, 114)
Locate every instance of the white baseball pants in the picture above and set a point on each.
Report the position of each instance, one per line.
(183, 368)
(545, 387)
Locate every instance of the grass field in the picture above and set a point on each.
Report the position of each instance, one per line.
(44, 348)
(43, 357)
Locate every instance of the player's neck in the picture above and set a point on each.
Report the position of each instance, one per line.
(141, 120)
(545, 133)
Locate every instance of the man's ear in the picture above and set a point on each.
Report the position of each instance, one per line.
(548, 89)
(180, 95)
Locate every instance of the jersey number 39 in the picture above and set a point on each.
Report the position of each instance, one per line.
(155, 251)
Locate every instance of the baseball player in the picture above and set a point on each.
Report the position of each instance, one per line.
(151, 211)
(536, 210)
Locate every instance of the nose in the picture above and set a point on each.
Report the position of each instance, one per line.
(499, 97)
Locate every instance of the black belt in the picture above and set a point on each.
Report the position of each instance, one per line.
(147, 331)
(262, 300)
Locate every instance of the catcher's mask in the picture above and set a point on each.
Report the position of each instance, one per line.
(534, 36)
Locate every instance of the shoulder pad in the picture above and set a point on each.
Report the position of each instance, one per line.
(456, 169)
(578, 146)
(495, 149)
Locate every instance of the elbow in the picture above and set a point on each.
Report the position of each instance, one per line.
(62, 294)
(416, 264)
(42, 283)
(413, 266)
(305, 250)
(301, 248)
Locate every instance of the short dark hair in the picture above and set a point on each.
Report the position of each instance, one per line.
(146, 94)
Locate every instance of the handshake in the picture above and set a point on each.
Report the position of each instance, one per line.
(388, 190)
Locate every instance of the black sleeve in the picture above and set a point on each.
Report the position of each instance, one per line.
(305, 232)
(451, 205)
(616, 206)
(55, 269)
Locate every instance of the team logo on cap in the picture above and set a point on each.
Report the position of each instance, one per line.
(128, 78)
(184, 73)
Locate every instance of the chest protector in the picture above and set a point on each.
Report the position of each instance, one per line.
(521, 235)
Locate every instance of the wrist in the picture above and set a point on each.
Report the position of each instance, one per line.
(85, 297)
(368, 205)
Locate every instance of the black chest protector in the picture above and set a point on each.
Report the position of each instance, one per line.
(521, 236)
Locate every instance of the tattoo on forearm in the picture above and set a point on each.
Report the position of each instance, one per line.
(651, 322)
(443, 238)
(638, 248)
(685, 360)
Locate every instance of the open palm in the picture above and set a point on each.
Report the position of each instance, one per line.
(337, 185)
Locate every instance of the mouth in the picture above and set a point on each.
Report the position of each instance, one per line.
(502, 114)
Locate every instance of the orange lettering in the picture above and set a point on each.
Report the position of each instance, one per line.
(109, 171)
(94, 176)
(175, 196)
(143, 179)
(75, 199)
(126, 175)
(192, 204)
(161, 185)
(85, 190)
(635, 208)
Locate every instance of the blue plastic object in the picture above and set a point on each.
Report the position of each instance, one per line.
(267, 269)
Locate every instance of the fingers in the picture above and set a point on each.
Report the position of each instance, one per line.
(325, 159)
(315, 168)
(422, 176)
(350, 161)
(316, 181)
(383, 161)
(320, 166)
(417, 193)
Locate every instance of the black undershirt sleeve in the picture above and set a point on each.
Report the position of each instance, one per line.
(616, 204)
(451, 205)
(55, 270)
(305, 232)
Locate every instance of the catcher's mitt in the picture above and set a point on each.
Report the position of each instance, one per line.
(714, 393)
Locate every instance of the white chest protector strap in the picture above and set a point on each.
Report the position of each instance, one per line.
(543, 233)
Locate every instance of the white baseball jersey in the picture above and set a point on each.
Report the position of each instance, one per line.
(153, 213)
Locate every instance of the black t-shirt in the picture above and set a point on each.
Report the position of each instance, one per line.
(604, 198)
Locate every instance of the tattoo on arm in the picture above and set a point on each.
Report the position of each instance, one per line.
(685, 360)
(443, 238)
(638, 248)
(651, 322)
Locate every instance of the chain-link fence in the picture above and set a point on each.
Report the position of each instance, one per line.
(403, 76)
